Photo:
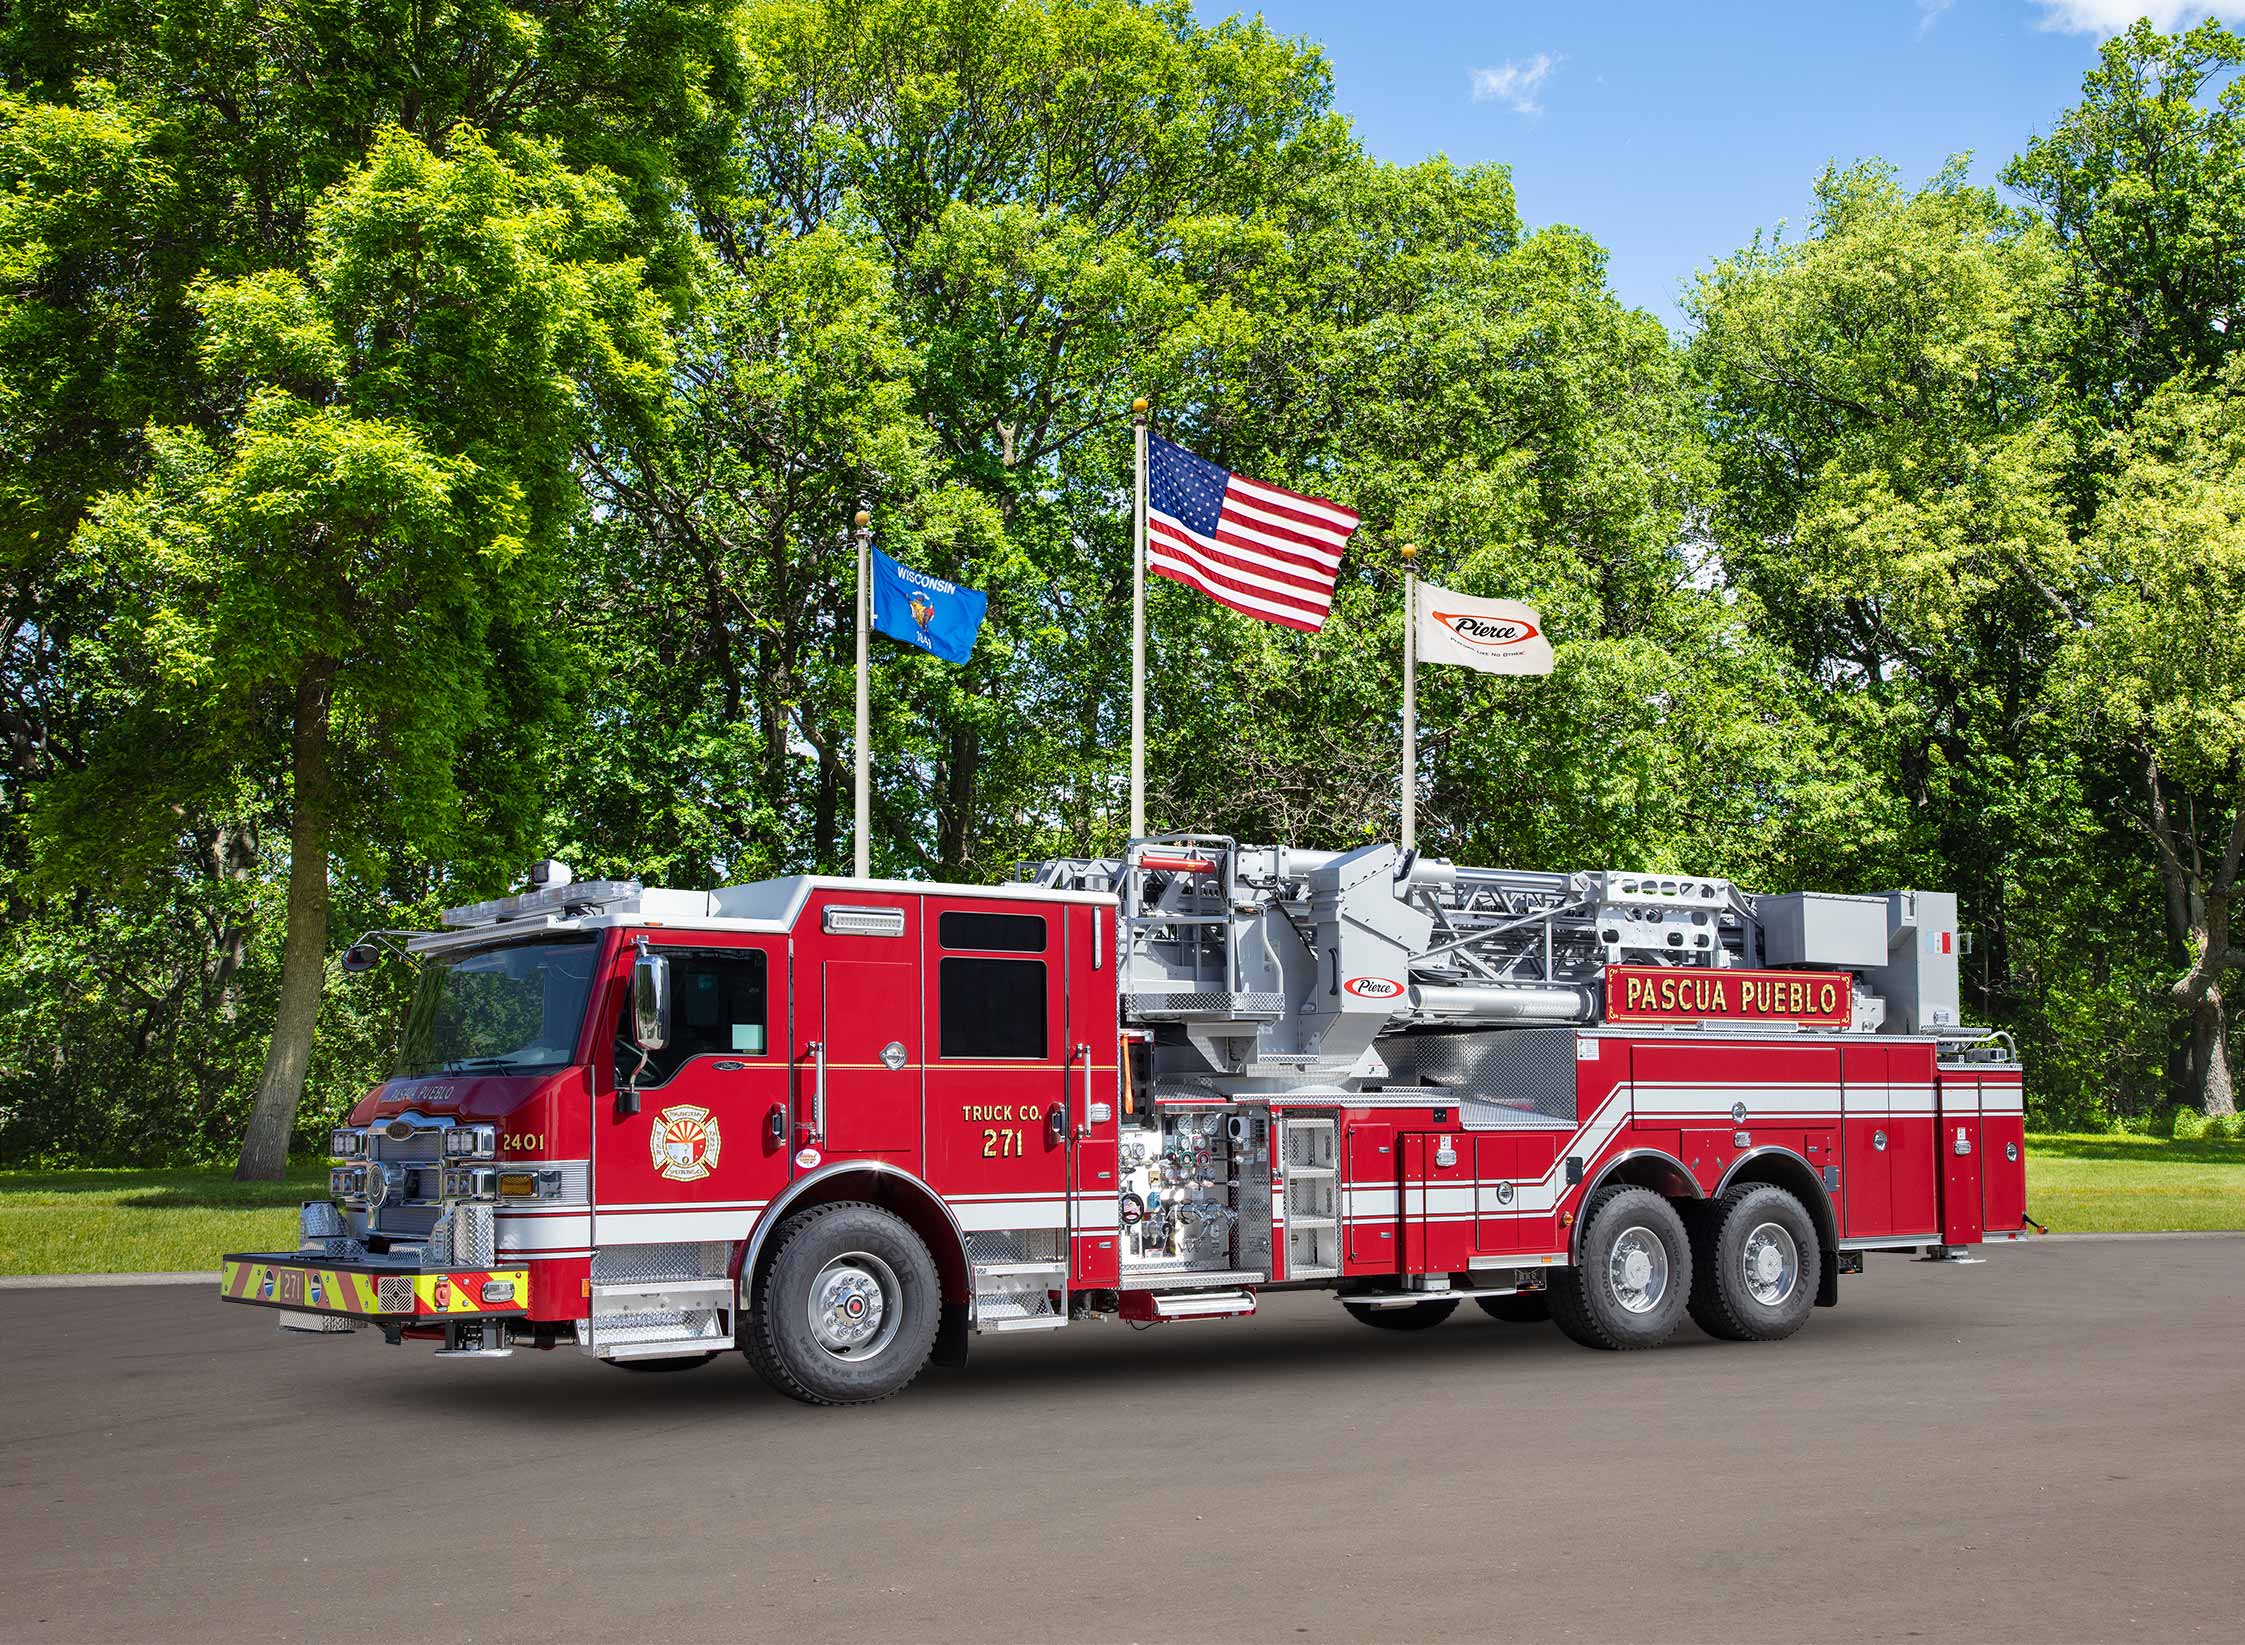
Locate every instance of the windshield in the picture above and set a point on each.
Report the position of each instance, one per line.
(500, 1010)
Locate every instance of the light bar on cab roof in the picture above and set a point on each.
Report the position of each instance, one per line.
(554, 899)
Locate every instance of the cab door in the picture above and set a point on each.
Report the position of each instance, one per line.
(684, 1145)
(999, 1065)
(1094, 1046)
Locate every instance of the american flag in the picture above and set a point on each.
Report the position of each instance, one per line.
(1257, 548)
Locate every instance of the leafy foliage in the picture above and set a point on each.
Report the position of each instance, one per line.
(428, 438)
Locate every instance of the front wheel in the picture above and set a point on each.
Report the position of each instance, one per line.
(1411, 1316)
(845, 1311)
(1628, 1286)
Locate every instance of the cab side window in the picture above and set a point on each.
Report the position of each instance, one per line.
(719, 1008)
(991, 1008)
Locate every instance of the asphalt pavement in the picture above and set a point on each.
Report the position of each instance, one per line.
(2046, 1447)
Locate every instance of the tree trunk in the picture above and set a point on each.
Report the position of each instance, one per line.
(2209, 1032)
(272, 1120)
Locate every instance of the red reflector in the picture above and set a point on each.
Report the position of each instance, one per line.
(1944, 942)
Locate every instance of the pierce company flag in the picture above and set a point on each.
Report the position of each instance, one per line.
(1260, 549)
(925, 611)
(1495, 636)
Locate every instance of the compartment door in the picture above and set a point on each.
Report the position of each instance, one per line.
(1958, 1139)
(1867, 1138)
(1370, 1200)
(1438, 1202)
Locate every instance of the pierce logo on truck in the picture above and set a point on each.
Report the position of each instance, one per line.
(1373, 988)
(683, 1143)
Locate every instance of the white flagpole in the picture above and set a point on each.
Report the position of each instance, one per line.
(1410, 699)
(863, 838)
(1138, 630)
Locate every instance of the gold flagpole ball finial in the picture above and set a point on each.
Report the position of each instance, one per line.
(1409, 551)
(863, 519)
(1138, 408)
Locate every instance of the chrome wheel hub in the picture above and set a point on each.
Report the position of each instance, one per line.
(1771, 1264)
(1638, 1270)
(854, 1306)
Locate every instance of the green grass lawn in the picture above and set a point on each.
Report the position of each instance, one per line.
(109, 1222)
(2124, 1184)
(91, 1222)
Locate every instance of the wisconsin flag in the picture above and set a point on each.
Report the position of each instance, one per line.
(1495, 636)
(925, 611)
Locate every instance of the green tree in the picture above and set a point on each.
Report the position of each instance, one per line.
(351, 573)
(2143, 186)
(2156, 667)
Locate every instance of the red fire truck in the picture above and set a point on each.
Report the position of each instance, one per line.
(848, 1125)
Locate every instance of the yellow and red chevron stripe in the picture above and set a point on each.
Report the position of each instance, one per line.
(322, 1290)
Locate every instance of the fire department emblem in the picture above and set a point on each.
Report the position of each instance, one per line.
(683, 1143)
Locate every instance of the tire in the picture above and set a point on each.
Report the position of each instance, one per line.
(1413, 1316)
(1630, 1286)
(843, 1255)
(1522, 1308)
(669, 1362)
(1756, 1260)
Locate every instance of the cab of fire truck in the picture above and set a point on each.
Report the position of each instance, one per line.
(608, 1098)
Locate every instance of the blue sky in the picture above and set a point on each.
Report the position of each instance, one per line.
(1671, 131)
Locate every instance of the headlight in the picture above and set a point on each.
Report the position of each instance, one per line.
(347, 1181)
(470, 1183)
(346, 1144)
(471, 1142)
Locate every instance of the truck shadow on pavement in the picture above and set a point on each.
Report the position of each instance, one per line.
(1299, 1353)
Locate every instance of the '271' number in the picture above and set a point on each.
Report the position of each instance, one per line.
(1001, 1142)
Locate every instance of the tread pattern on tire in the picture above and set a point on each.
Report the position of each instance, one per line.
(1571, 1308)
(1711, 1311)
(1417, 1316)
(755, 1335)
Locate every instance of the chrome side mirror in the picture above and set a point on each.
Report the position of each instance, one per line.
(650, 1001)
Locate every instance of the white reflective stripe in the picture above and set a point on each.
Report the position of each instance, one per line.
(609, 1208)
(664, 1228)
(1368, 1202)
(1436, 1200)
(1998, 1099)
(995, 1199)
(1042, 1213)
(543, 1233)
(1667, 1101)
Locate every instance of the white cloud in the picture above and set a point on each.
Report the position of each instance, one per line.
(2111, 16)
(1516, 84)
(1929, 13)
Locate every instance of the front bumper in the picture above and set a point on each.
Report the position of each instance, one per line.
(385, 1293)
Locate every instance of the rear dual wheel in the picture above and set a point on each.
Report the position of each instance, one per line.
(1757, 1263)
(1629, 1285)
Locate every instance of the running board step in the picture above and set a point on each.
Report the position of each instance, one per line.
(1150, 1305)
(1404, 1299)
(1022, 1322)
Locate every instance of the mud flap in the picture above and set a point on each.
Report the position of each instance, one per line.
(952, 1337)
(1828, 1279)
